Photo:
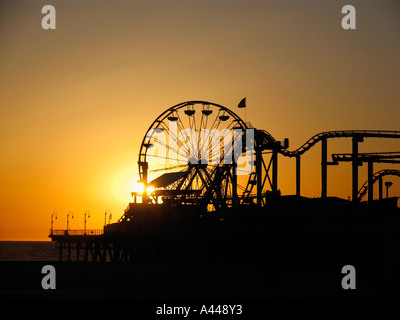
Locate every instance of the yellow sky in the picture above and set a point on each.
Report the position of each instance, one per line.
(76, 102)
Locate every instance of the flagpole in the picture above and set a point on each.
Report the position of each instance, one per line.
(242, 104)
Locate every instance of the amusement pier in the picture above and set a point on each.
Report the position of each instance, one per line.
(224, 212)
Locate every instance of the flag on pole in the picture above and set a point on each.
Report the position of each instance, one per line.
(242, 103)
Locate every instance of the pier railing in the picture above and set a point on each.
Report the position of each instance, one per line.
(88, 232)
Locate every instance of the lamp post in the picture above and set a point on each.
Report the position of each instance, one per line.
(88, 215)
(72, 216)
(388, 184)
(52, 215)
(109, 217)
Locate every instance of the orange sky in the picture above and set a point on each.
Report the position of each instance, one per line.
(76, 102)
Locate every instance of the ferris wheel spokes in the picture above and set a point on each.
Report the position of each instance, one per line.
(201, 140)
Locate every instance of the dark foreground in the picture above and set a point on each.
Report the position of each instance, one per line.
(185, 282)
(288, 254)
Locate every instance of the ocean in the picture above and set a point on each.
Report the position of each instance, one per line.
(28, 251)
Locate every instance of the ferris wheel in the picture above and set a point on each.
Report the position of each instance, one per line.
(197, 153)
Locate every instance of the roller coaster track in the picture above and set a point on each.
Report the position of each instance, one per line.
(377, 175)
(379, 157)
(266, 140)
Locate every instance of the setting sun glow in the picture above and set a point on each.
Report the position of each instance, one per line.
(138, 187)
(77, 101)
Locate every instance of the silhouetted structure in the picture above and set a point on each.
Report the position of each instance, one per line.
(203, 211)
(377, 176)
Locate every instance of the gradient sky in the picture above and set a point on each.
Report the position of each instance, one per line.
(75, 102)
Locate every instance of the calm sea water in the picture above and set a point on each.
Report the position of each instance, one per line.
(28, 251)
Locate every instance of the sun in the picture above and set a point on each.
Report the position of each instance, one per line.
(137, 187)
(150, 189)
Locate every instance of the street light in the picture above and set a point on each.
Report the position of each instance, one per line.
(88, 215)
(52, 215)
(109, 217)
(388, 184)
(72, 216)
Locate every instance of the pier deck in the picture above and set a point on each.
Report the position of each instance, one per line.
(90, 241)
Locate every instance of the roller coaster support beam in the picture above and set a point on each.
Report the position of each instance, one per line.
(298, 175)
(324, 167)
(370, 181)
(380, 188)
(275, 170)
(259, 175)
(355, 163)
(234, 184)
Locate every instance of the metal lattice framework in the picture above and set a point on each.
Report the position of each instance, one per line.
(203, 182)
(377, 176)
(188, 156)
